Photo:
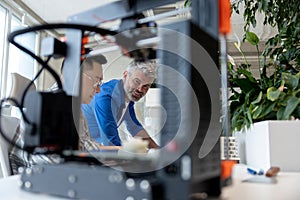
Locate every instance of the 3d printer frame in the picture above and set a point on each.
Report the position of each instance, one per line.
(160, 184)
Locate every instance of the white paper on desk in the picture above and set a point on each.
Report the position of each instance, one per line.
(261, 179)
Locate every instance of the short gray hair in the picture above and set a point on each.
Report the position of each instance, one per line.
(149, 68)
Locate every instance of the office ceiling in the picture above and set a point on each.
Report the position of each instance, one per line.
(59, 10)
(54, 11)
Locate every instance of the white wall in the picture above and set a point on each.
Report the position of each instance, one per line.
(115, 66)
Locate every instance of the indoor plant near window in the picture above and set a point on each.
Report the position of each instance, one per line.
(271, 96)
(254, 105)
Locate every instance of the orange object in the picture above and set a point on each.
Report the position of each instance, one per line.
(226, 168)
(273, 171)
(85, 40)
(224, 16)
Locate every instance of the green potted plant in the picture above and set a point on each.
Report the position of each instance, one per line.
(271, 96)
(255, 103)
(265, 106)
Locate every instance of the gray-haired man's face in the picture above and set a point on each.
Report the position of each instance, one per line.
(136, 85)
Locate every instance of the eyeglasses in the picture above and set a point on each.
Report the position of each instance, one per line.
(97, 83)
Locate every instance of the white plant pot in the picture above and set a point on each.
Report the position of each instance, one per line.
(241, 147)
(273, 143)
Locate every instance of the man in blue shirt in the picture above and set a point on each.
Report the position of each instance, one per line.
(115, 105)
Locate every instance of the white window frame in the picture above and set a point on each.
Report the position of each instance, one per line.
(4, 65)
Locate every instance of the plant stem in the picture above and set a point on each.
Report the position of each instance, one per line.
(242, 52)
(259, 69)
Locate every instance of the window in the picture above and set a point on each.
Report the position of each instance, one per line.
(2, 40)
(12, 59)
(19, 61)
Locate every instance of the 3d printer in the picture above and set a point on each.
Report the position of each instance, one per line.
(190, 83)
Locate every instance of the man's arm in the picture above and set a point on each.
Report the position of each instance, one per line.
(145, 136)
(135, 127)
(105, 110)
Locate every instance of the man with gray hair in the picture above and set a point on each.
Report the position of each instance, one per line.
(115, 105)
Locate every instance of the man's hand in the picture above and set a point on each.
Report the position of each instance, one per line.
(145, 136)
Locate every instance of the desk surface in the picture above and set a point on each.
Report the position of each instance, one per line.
(287, 187)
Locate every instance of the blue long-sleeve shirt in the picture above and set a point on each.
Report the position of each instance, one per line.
(105, 111)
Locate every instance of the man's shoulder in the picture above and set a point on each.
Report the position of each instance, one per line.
(112, 83)
(112, 90)
(110, 87)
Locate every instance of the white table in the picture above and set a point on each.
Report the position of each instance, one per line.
(287, 187)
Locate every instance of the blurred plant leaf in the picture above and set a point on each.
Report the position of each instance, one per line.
(252, 38)
(273, 93)
(292, 103)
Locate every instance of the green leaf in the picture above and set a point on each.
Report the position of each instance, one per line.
(279, 114)
(273, 93)
(268, 109)
(248, 75)
(291, 81)
(296, 112)
(248, 110)
(257, 111)
(292, 103)
(245, 85)
(252, 38)
(258, 99)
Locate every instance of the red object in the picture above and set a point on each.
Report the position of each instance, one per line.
(224, 16)
(85, 40)
(226, 168)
